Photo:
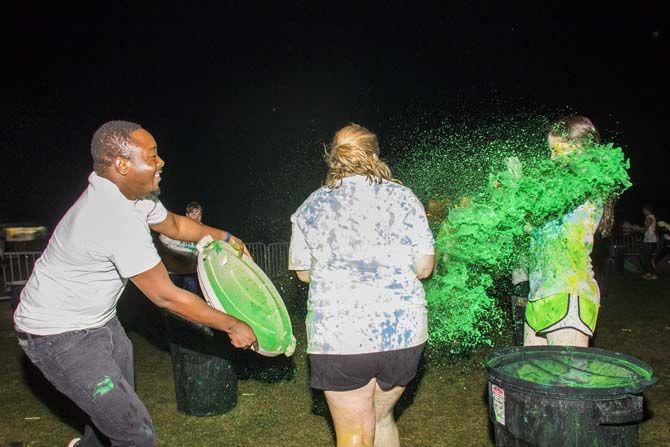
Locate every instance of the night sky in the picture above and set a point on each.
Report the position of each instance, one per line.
(240, 98)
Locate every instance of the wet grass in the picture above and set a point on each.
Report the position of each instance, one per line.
(446, 406)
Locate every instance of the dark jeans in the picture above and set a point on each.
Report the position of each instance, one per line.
(646, 252)
(94, 368)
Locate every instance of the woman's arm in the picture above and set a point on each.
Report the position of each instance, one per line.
(423, 264)
(303, 275)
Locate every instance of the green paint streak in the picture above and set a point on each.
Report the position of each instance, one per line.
(103, 387)
(504, 172)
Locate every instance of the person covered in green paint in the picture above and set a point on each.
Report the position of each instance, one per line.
(564, 297)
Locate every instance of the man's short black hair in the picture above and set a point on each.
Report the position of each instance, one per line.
(112, 140)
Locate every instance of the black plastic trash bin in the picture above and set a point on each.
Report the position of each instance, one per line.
(15, 288)
(555, 396)
(202, 365)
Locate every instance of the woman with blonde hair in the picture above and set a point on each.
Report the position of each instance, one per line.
(362, 242)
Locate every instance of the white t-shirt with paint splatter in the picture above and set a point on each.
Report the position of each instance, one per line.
(359, 242)
(102, 240)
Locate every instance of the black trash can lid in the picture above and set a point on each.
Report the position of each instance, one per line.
(570, 370)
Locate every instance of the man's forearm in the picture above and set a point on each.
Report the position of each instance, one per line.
(192, 231)
(190, 307)
(156, 285)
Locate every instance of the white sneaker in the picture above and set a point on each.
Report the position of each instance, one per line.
(74, 443)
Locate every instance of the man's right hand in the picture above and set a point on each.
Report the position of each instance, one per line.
(156, 285)
(241, 335)
(240, 246)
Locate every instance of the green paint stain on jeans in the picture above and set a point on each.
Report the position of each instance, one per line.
(103, 387)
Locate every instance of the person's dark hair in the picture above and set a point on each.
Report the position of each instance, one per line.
(649, 207)
(606, 224)
(192, 206)
(112, 140)
(575, 128)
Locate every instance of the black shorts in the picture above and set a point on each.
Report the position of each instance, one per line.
(346, 372)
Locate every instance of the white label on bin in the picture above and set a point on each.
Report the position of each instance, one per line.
(498, 395)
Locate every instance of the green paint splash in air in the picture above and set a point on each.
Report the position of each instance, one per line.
(482, 237)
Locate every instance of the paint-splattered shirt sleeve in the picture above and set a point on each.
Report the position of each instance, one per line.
(417, 225)
(299, 257)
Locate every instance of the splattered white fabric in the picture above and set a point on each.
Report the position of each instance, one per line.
(359, 242)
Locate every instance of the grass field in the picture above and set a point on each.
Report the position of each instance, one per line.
(445, 406)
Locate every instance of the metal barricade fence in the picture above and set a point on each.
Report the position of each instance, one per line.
(272, 258)
(629, 243)
(258, 251)
(16, 266)
(277, 259)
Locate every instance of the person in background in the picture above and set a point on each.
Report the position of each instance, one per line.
(664, 232)
(649, 243)
(66, 320)
(180, 257)
(363, 244)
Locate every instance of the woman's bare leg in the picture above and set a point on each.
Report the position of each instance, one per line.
(353, 414)
(386, 430)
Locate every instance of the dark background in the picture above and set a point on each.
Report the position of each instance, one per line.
(241, 95)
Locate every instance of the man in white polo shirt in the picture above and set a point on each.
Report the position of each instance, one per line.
(66, 320)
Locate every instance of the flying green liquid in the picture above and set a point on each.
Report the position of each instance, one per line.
(499, 180)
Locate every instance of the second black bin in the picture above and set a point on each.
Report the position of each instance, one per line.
(558, 396)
